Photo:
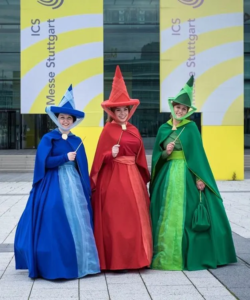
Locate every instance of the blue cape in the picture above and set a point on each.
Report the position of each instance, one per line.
(44, 150)
(44, 243)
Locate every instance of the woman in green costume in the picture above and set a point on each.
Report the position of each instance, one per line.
(180, 170)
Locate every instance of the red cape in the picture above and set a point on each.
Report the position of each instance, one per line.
(120, 190)
(109, 137)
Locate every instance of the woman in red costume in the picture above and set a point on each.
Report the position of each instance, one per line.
(119, 176)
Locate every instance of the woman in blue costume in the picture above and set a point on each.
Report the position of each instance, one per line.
(54, 237)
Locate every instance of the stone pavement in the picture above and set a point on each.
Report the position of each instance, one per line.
(224, 283)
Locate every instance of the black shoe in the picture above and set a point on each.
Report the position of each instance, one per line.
(121, 271)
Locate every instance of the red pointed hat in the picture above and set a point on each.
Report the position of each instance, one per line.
(119, 96)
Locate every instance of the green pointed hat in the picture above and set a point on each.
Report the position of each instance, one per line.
(184, 97)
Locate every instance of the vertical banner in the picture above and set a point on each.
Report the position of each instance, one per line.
(62, 43)
(205, 38)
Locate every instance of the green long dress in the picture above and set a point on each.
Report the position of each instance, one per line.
(174, 198)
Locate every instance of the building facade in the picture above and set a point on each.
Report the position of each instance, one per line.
(131, 39)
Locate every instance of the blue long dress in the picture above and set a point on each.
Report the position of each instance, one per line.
(54, 237)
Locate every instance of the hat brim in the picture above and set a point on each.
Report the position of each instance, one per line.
(176, 101)
(62, 110)
(188, 114)
(133, 102)
(108, 103)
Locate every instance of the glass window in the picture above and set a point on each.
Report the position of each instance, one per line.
(131, 38)
(9, 11)
(141, 77)
(131, 12)
(9, 94)
(9, 38)
(44, 124)
(9, 74)
(8, 129)
(9, 66)
(33, 129)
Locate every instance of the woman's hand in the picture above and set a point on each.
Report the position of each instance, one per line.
(170, 148)
(71, 156)
(200, 185)
(115, 150)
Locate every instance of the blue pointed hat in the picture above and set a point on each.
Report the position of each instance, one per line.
(66, 106)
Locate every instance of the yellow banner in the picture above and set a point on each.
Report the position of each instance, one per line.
(204, 38)
(62, 44)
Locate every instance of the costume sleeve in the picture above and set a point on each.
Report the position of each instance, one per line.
(164, 154)
(56, 161)
(170, 139)
(157, 160)
(107, 157)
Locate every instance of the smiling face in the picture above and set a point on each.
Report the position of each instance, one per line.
(121, 114)
(65, 120)
(180, 110)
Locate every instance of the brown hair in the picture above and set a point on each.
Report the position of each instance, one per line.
(74, 118)
(109, 118)
(176, 103)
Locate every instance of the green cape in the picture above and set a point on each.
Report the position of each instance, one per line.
(200, 250)
(194, 152)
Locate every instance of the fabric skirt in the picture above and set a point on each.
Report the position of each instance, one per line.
(122, 223)
(176, 246)
(77, 213)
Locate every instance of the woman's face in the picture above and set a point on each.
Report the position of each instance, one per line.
(65, 120)
(121, 113)
(180, 110)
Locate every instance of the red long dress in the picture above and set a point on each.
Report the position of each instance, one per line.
(120, 201)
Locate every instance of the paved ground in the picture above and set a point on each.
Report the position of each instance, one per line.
(224, 283)
(18, 152)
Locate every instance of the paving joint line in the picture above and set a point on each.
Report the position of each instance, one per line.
(6, 246)
(145, 286)
(9, 234)
(13, 195)
(223, 284)
(7, 266)
(12, 189)
(238, 226)
(79, 282)
(10, 208)
(194, 285)
(31, 288)
(245, 262)
(4, 200)
(107, 285)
